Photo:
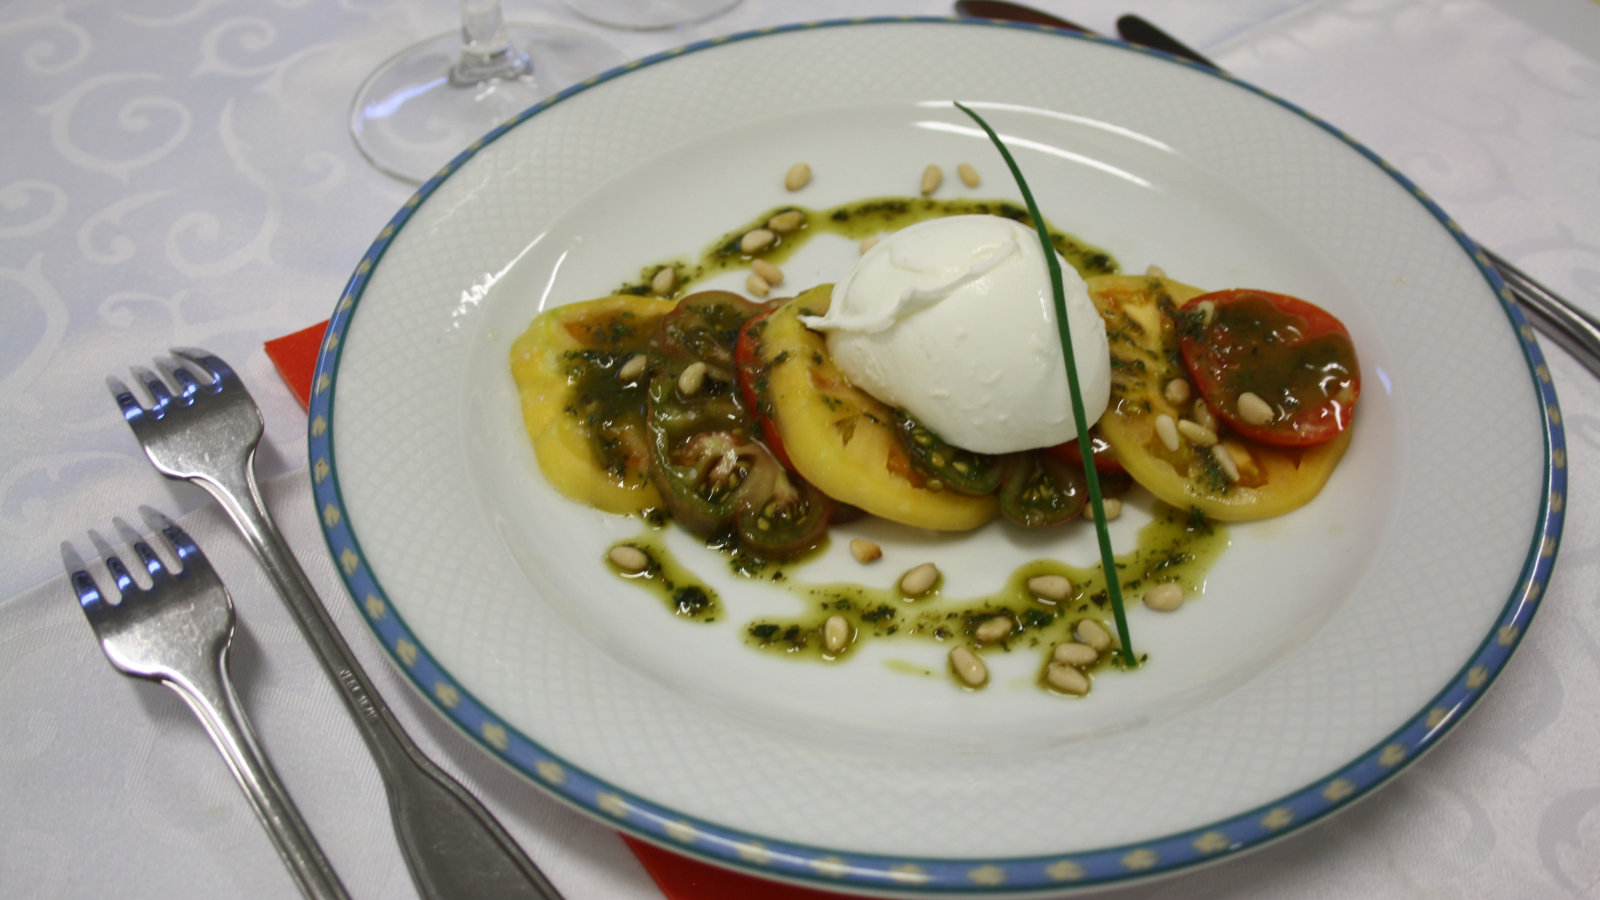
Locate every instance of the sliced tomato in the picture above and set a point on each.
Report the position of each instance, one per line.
(1294, 356)
(840, 438)
(1105, 456)
(1141, 324)
(754, 383)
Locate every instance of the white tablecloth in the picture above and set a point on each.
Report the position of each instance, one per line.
(178, 172)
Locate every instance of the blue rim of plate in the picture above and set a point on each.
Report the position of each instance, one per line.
(832, 869)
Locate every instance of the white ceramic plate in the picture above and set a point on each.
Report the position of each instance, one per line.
(1331, 645)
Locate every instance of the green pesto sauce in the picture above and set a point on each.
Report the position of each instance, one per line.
(1175, 546)
(857, 221)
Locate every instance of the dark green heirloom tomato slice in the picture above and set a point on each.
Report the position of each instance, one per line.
(962, 471)
(781, 514)
(711, 472)
(1293, 355)
(1040, 489)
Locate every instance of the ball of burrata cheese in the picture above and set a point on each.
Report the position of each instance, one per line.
(953, 321)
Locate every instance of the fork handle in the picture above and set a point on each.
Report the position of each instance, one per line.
(209, 693)
(453, 846)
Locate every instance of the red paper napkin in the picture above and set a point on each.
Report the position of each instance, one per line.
(680, 878)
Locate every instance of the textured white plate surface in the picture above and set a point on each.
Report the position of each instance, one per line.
(1330, 645)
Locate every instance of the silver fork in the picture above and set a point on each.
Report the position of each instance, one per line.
(207, 432)
(177, 632)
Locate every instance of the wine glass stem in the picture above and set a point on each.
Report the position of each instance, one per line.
(486, 49)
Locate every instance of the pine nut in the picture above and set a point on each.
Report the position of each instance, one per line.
(864, 550)
(1092, 633)
(969, 175)
(1112, 506)
(931, 176)
(1072, 653)
(1177, 392)
(691, 378)
(633, 368)
(1165, 597)
(916, 582)
(993, 630)
(1225, 460)
(1255, 410)
(629, 559)
(664, 282)
(755, 240)
(1155, 272)
(798, 177)
(1066, 679)
(835, 633)
(968, 667)
(755, 284)
(1054, 588)
(1197, 433)
(785, 222)
(769, 273)
(1203, 416)
(1167, 430)
(869, 243)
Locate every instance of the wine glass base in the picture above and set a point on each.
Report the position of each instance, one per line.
(409, 119)
(648, 15)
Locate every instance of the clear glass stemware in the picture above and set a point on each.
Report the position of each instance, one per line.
(428, 102)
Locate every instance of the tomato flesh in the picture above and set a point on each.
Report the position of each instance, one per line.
(1294, 355)
(1105, 456)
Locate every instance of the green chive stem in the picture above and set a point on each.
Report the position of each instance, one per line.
(1108, 561)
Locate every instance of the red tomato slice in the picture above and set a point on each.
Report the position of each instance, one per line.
(753, 382)
(1294, 356)
(1105, 458)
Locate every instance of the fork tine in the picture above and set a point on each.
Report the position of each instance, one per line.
(147, 554)
(158, 388)
(119, 572)
(188, 552)
(219, 371)
(131, 410)
(89, 597)
(187, 384)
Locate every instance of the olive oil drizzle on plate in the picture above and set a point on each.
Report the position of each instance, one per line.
(1175, 546)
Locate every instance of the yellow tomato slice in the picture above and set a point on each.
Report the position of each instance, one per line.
(586, 423)
(841, 439)
(1138, 311)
